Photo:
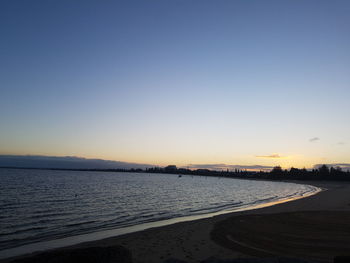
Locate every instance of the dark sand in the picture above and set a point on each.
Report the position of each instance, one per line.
(316, 227)
(314, 235)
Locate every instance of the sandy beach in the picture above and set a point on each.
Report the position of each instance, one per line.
(312, 228)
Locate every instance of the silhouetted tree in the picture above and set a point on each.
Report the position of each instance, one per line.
(277, 172)
(323, 171)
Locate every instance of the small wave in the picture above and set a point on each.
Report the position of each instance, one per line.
(215, 208)
(20, 231)
(80, 224)
(49, 214)
(265, 200)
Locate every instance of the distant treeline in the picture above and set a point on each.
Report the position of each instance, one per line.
(277, 173)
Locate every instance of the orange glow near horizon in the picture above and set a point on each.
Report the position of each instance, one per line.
(285, 161)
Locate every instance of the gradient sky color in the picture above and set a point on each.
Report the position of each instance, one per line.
(183, 82)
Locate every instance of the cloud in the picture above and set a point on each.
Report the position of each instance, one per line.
(314, 139)
(341, 143)
(222, 166)
(274, 155)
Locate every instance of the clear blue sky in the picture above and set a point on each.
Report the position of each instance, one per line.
(200, 82)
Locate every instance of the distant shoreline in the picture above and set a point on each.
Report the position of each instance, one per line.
(323, 173)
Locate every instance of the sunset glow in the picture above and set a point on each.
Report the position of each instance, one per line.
(193, 82)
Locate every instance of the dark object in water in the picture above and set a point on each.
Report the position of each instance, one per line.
(180, 175)
(86, 255)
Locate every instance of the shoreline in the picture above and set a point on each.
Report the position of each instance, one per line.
(191, 241)
(76, 240)
(207, 219)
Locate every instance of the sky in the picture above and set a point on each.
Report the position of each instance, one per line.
(177, 82)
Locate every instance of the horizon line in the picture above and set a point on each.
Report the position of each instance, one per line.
(209, 166)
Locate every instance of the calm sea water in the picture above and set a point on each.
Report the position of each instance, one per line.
(39, 205)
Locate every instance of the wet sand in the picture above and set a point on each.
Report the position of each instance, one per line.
(316, 227)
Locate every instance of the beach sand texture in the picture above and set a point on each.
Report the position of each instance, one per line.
(316, 228)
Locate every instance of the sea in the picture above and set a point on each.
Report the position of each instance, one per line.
(42, 209)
